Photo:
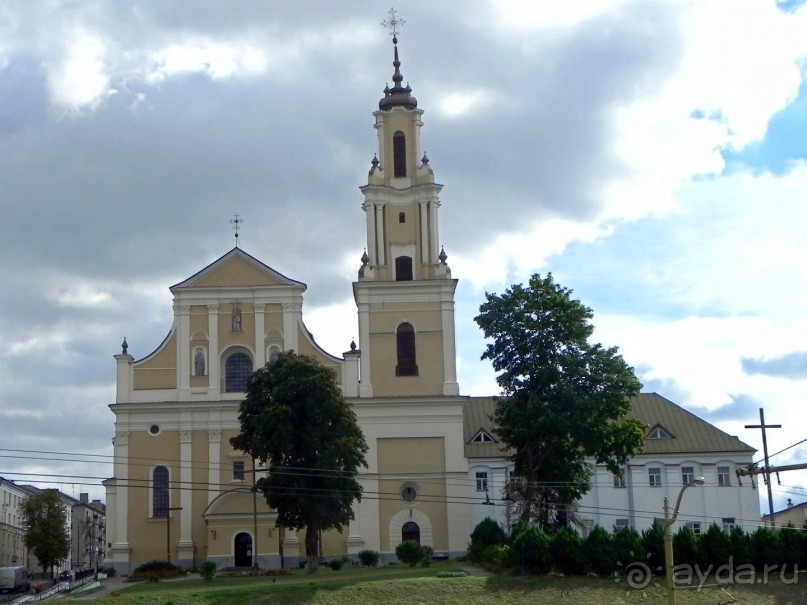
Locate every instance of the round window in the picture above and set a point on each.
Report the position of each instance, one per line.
(409, 494)
(154, 429)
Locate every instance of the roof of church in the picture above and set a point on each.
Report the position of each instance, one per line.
(687, 433)
(260, 274)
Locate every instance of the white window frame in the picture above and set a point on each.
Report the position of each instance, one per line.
(724, 476)
(481, 481)
(654, 476)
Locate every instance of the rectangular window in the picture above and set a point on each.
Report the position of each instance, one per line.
(481, 481)
(687, 474)
(620, 523)
(654, 473)
(728, 524)
(694, 527)
(620, 481)
(723, 476)
(238, 470)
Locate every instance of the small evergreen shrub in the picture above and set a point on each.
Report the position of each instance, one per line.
(451, 574)
(410, 551)
(566, 549)
(335, 564)
(207, 571)
(369, 558)
(529, 553)
(599, 551)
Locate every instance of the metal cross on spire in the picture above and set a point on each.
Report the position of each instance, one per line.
(236, 222)
(394, 23)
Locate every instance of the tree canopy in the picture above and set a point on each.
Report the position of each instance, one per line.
(295, 420)
(47, 533)
(565, 398)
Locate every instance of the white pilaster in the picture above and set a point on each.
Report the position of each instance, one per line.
(435, 231)
(186, 482)
(182, 313)
(260, 345)
(450, 385)
(425, 255)
(369, 210)
(121, 545)
(380, 236)
(214, 367)
(213, 463)
(124, 377)
(365, 384)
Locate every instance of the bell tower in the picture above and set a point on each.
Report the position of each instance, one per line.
(405, 293)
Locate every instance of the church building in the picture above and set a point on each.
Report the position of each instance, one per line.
(435, 468)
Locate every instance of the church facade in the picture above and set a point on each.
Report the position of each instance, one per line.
(181, 492)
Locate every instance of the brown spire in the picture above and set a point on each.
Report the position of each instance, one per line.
(397, 96)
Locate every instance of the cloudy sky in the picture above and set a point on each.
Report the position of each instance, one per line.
(651, 154)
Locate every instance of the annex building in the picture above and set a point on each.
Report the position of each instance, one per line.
(435, 469)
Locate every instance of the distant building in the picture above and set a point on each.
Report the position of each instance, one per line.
(12, 547)
(794, 513)
(88, 534)
(679, 447)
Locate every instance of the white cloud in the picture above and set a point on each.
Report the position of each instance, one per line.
(78, 78)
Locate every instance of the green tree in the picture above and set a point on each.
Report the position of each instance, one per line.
(688, 548)
(47, 535)
(716, 546)
(566, 549)
(653, 545)
(529, 553)
(565, 398)
(628, 547)
(295, 420)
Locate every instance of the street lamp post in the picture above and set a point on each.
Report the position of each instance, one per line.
(669, 565)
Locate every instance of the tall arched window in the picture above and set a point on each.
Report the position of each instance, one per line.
(403, 268)
(399, 154)
(159, 492)
(405, 344)
(237, 369)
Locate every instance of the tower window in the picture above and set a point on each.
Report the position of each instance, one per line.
(403, 268)
(237, 369)
(399, 153)
(159, 485)
(405, 341)
(402, 217)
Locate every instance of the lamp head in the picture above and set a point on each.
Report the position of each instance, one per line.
(698, 481)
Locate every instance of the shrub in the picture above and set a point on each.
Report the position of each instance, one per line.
(716, 546)
(369, 558)
(157, 570)
(688, 548)
(335, 564)
(627, 546)
(409, 551)
(767, 548)
(207, 571)
(741, 546)
(566, 549)
(487, 535)
(529, 553)
(451, 574)
(653, 544)
(599, 551)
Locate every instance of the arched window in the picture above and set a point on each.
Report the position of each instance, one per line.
(403, 268)
(405, 341)
(159, 496)
(410, 531)
(237, 369)
(402, 217)
(399, 153)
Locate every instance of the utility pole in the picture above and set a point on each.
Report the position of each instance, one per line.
(766, 472)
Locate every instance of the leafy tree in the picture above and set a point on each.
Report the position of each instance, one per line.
(600, 552)
(565, 398)
(47, 535)
(411, 552)
(295, 419)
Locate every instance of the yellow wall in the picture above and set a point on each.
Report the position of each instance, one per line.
(407, 458)
(159, 372)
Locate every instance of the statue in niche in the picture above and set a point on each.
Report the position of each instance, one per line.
(236, 319)
(199, 363)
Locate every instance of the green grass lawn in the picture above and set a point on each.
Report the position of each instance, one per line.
(399, 584)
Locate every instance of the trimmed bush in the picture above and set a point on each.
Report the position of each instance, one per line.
(767, 549)
(599, 551)
(369, 558)
(688, 547)
(156, 571)
(627, 546)
(410, 551)
(207, 571)
(529, 553)
(716, 546)
(566, 549)
(335, 564)
(653, 545)
(487, 535)
(741, 548)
